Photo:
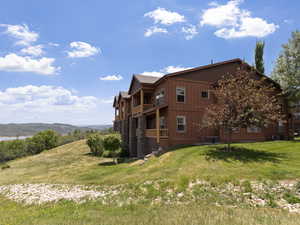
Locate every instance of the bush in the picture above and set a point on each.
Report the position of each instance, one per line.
(43, 140)
(112, 144)
(95, 143)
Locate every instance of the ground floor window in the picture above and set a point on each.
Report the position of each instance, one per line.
(253, 129)
(181, 123)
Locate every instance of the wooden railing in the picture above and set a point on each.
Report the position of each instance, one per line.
(163, 133)
(141, 108)
(148, 106)
(117, 118)
(137, 109)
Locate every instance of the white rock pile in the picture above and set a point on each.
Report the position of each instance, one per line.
(44, 193)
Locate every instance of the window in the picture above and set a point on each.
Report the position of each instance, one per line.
(160, 97)
(297, 116)
(162, 122)
(181, 123)
(180, 94)
(253, 129)
(236, 130)
(204, 94)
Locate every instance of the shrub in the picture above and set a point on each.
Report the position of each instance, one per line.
(112, 143)
(95, 143)
(291, 198)
(43, 140)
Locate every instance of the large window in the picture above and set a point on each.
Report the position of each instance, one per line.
(181, 123)
(253, 129)
(180, 94)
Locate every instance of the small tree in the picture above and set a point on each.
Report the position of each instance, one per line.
(287, 69)
(112, 144)
(242, 102)
(95, 143)
(259, 56)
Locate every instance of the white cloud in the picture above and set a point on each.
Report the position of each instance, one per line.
(36, 97)
(165, 17)
(111, 78)
(154, 30)
(22, 33)
(36, 50)
(190, 31)
(250, 27)
(233, 22)
(53, 104)
(16, 63)
(82, 49)
(166, 70)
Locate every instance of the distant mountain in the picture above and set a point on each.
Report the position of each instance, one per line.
(99, 127)
(29, 129)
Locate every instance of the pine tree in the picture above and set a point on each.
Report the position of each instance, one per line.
(259, 56)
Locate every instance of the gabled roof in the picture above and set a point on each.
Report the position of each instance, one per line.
(237, 60)
(146, 79)
(143, 79)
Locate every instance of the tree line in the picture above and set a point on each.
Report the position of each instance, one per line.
(42, 141)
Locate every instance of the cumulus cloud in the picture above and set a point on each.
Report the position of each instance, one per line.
(111, 78)
(190, 31)
(36, 97)
(36, 50)
(154, 30)
(22, 33)
(233, 22)
(165, 17)
(82, 50)
(166, 70)
(16, 63)
(52, 104)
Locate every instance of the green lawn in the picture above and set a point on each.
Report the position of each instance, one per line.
(71, 164)
(92, 213)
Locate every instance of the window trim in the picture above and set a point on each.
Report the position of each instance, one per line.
(184, 123)
(183, 88)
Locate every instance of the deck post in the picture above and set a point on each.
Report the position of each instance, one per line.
(157, 127)
(142, 100)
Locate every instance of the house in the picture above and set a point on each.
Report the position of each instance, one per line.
(167, 111)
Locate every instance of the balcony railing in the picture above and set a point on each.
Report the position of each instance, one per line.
(163, 133)
(117, 118)
(141, 108)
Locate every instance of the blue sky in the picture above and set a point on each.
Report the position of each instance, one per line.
(63, 60)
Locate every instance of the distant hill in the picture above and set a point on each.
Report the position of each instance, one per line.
(99, 127)
(28, 129)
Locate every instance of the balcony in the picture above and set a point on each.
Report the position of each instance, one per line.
(141, 108)
(152, 133)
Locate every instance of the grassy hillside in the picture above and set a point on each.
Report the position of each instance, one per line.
(28, 129)
(72, 164)
(209, 204)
